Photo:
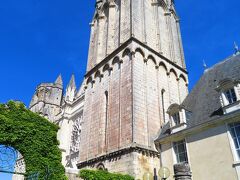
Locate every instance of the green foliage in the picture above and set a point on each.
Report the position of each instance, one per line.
(102, 175)
(34, 137)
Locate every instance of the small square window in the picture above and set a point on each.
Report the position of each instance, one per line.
(230, 96)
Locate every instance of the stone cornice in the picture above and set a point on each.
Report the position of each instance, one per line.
(123, 46)
(228, 118)
(159, 55)
(118, 153)
(114, 53)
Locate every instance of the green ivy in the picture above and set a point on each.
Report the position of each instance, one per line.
(102, 175)
(34, 137)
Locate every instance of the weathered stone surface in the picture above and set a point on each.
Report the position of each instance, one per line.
(182, 172)
(154, 23)
(135, 55)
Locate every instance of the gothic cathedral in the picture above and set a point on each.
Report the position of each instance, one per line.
(136, 70)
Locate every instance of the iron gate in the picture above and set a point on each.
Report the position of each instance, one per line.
(9, 157)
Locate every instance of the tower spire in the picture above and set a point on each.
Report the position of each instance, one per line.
(72, 83)
(71, 90)
(59, 80)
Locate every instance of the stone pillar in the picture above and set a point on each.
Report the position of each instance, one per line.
(182, 172)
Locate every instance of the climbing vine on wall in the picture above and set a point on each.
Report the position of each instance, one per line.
(34, 137)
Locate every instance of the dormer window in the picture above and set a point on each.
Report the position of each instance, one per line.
(174, 114)
(230, 96)
(178, 117)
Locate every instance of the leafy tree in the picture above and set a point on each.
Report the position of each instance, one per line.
(102, 175)
(34, 137)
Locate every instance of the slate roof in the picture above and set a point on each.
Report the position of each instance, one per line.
(203, 101)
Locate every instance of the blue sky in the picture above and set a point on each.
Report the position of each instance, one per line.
(40, 39)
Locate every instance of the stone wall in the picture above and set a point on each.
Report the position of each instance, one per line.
(107, 109)
(47, 99)
(154, 23)
(72, 174)
(156, 85)
(124, 103)
(132, 163)
(135, 71)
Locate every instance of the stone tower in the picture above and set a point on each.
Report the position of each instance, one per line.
(136, 69)
(47, 99)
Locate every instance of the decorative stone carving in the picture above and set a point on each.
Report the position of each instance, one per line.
(76, 132)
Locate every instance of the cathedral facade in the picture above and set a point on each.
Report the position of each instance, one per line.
(136, 70)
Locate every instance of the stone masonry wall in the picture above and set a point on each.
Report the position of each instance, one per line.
(156, 85)
(126, 101)
(154, 23)
(134, 164)
(108, 120)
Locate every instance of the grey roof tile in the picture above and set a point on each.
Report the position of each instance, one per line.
(203, 101)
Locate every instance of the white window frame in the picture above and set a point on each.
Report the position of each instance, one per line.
(236, 160)
(175, 155)
(236, 157)
(225, 86)
(178, 118)
(175, 110)
(232, 93)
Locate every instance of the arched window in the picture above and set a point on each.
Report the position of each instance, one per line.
(229, 94)
(179, 117)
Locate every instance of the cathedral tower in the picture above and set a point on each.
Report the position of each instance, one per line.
(47, 99)
(136, 69)
(153, 22)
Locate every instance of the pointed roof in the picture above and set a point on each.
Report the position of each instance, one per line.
(59, 80)
(72, 83)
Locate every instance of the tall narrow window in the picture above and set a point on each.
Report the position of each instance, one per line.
(106, 115)
(163, 107)
(176, 118)
(235, 135)
(180, 151)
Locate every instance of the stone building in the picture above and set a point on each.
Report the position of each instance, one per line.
(204, 131)
(131, 110)
(136, 69)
